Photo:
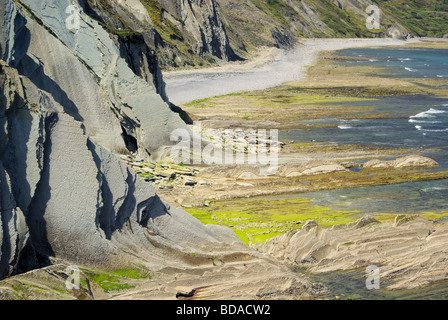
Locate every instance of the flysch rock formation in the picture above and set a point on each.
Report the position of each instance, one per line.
(201, 20)
(72, 193)
(410, 253)
(82, 69)
(68, 103)
(182, 33)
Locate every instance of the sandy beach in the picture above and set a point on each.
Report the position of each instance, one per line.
(269, 67)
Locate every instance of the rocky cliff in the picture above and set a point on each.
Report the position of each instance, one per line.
(193, 33)
(72, 100)
(196, 33)
(69, 103)
(180, 33)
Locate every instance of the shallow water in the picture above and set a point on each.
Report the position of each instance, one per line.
(352, 285)
(402, 198)
(418, 122)
(403, 62)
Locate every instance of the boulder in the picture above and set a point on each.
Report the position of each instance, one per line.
(403, 162)
(310, 168)
(414, 161)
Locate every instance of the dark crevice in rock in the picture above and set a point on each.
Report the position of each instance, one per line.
(129, 203)
(18, 128)
(36, 211)
(7, 206)
(129, 141)
(108, 218)
(150, 209)
(182, 113)
(103, 217)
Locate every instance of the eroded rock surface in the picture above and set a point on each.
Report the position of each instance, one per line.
(411, 161)
(409, 252)
(67, 99)
(68, 103)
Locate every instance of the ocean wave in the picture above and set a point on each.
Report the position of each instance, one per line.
(405, 59)
(410, 69)
(344, 126)
(350, 120)
(424, 121)
(428, 114)
(435, 130)
(434, 189)
(420, 128)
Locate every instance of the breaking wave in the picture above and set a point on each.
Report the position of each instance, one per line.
(423, 121)
(428, 114)
(432, 120)
(410, 69)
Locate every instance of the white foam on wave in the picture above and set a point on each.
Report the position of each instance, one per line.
(344, 127)
(423, 121)
(435, 130)
(420, 128)
(428, 114)
(405, 59)
(434, 189)
(410, 69)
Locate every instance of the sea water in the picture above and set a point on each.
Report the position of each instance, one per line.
(415, 122)
(402, 62)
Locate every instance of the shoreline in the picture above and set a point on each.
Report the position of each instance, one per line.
(265, 70)
(232, 182)
(346, 245)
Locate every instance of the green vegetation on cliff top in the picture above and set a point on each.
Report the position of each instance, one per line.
(423, 18)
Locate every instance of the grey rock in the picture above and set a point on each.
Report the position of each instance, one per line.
(13, 229)
(190, 182)
(309, 225)
(63, 193)
(114, 102)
